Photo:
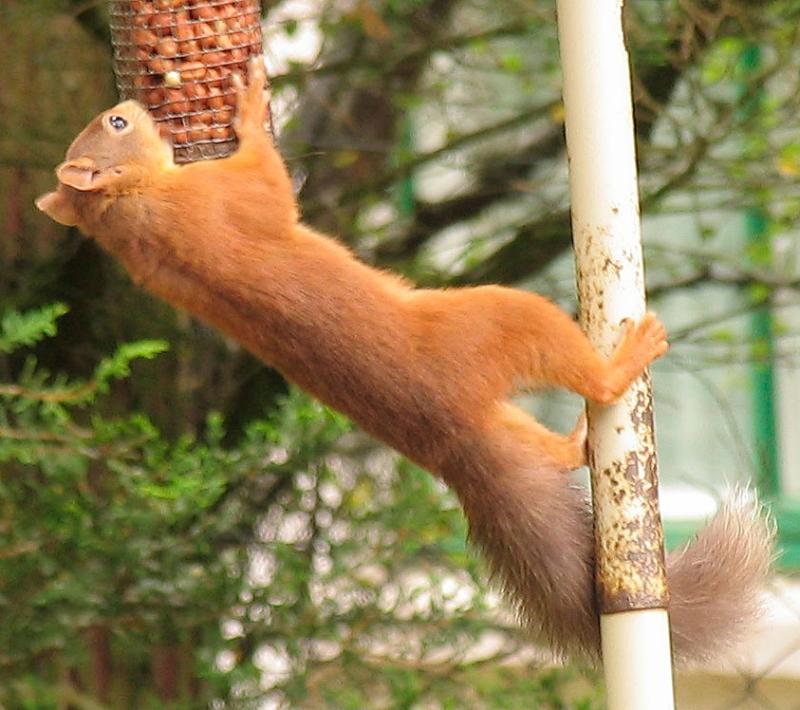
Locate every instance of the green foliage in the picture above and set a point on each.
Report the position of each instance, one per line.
(289, 537)
(17, 329)
(107, 523)
(118, 365)
(288, 545)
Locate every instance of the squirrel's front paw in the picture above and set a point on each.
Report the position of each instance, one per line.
(252, 101)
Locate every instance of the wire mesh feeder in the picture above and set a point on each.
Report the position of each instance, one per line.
(177, 58)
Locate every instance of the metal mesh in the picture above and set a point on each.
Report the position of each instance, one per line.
(177, 57)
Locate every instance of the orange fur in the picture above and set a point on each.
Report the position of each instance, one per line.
(429, 372)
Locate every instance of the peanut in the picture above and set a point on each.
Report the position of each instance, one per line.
(178, 57)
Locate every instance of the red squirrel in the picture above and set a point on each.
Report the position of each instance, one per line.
(429, 372)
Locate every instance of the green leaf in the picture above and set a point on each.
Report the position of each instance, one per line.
(26, 329)
(512, 61)
(118, 365)
(290, 26)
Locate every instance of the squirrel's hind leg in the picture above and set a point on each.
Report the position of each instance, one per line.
(578, 367)
(533, 441)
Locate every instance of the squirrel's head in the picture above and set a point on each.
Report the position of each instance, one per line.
(110, 156)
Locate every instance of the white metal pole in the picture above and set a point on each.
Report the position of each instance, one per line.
(631, 582)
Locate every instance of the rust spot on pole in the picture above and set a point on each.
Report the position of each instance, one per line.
(630, 552)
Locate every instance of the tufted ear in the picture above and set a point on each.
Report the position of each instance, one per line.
(58, 207)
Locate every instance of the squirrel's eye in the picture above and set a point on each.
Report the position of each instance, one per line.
(117, 122)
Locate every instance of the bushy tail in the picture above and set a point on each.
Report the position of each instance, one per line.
(536, 532)
(716, 581)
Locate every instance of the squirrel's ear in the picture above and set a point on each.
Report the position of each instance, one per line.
(84, 175)
(79, 174)
(58, 207)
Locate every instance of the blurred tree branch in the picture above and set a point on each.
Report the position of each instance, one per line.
(335, 196)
